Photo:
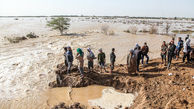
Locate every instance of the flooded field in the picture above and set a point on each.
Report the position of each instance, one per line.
(29, 66)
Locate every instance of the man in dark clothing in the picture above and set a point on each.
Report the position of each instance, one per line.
(179, 47)
(112, 59)
(145, 50)
(101, 60)
(171, 50)
(69, 55)
(65, 56)
(138, 54)
(90, 57)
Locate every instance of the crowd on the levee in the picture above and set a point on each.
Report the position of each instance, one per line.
(169, 51)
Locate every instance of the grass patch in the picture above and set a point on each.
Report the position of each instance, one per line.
(183, 31)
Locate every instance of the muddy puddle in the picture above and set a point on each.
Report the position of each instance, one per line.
(91, 96)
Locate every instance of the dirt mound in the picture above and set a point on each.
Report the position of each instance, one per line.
(73, 106)
(157, 87)
(122, 81)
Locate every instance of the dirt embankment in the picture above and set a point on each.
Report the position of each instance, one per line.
(157, 87)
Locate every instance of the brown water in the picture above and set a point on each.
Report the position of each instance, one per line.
(90, 96)
(52, 97)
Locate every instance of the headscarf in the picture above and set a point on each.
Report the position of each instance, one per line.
(136, 46)
(90, 52)
(132, 52)
(79, 50)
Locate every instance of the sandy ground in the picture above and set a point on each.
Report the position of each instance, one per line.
(28, 67)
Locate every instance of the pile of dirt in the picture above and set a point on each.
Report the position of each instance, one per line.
(120, 81)
(157, 87)
(73, 106)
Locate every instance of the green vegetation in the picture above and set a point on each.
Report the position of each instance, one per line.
(31, 35)
(59, 23)
(183, 31)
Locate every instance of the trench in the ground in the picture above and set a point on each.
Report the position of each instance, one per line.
(119, 90)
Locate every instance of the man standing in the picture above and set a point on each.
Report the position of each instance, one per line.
(80, 58)
(90, 57)
(179, 47)
(131, 62)
(145, 50)
(69, 55)
(112, 59)
(187, 50)
(164, 48)
(65, 58)
(101, 60)
(138, 54)
(171, 51)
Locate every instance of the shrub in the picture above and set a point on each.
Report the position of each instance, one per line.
(105, 29)
(127, 31)
(167, 28)
(153, 29)
(133, 29)
(111, 32)
(144, 31)
(31, 35)
(16, 39)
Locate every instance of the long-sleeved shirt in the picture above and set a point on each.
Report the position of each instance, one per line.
(186, 45)
(69, 56)
(112, 57)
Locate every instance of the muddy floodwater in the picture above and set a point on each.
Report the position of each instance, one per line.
(91, 96)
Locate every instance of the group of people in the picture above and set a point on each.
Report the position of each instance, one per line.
(171, 51)
(68, 54)
(134, 58)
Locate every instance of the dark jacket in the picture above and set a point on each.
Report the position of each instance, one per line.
(145, 49)
(69, 56)
(112, 57)
(171, 49)
(138, 54)
(101, 57)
